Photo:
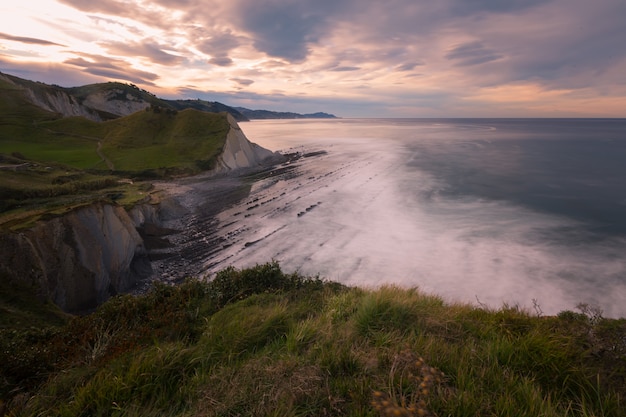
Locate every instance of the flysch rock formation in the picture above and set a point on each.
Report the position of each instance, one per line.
(61, 102)
(77, 260)
(109, 101)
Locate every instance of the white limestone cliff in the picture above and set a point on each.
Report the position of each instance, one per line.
(60, 102)
(239, 153)
(110, 102)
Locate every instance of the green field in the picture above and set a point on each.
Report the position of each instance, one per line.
(259, 342)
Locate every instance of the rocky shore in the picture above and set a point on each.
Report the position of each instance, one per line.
(187, 231)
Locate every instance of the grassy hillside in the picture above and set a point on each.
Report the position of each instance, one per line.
(17, 111)
(147, 140)
(49, 163)
(264, 343)
(122, 92)
(156, 139)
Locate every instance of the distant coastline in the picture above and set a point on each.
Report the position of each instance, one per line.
(268, 114)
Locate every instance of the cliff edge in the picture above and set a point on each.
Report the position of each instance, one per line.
(77, 260)
(239, 153)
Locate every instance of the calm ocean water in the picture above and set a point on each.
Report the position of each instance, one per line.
(573, 168)
(494, 211)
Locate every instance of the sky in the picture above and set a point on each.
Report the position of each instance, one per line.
(352, 58)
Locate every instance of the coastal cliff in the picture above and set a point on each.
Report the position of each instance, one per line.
(104, 101)
(57, 101)
(77, 260)
(111, 101)
(97, 248)
(240, 153)
(80, 259)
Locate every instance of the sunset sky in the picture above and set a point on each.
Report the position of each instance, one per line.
(353, 58)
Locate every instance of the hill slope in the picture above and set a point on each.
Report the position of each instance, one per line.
(49, 161)
(264, 343)
(156, 139)
(104, 101)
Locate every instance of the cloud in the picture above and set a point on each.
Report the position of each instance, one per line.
(133, 10)
(110, 7)
(557, 44)
(219, 45)
(221, 61)
(112, 69)
(469, 7)
(57, 73)
(471, 53)
(468, 53)
(345, 68)
(284, 29)
(147, 49)
(27, 40)
(407, 66)
(242, 81)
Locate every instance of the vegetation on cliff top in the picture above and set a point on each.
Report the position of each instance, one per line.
(262, 342)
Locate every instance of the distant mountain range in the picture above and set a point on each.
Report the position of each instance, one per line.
(267, 114)
(106, 101)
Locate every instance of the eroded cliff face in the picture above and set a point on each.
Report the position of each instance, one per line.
(78, 260)
(112, 101)
(115, 101)
(240, 153)
(63, 103)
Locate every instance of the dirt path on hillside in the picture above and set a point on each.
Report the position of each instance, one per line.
(99, 152)
(103, 157)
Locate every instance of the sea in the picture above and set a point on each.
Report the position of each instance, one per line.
(527, 213)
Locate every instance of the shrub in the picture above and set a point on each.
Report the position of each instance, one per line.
(231, 284)
(393, 308)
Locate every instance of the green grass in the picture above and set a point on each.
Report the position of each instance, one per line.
(39, 190)
(151, 140)
(20, 308)
(262, 342)
(72, 152)
(146, 140)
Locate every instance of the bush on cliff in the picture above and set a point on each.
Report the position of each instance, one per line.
(261, 342)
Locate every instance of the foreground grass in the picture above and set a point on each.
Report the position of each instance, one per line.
(261, 342)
